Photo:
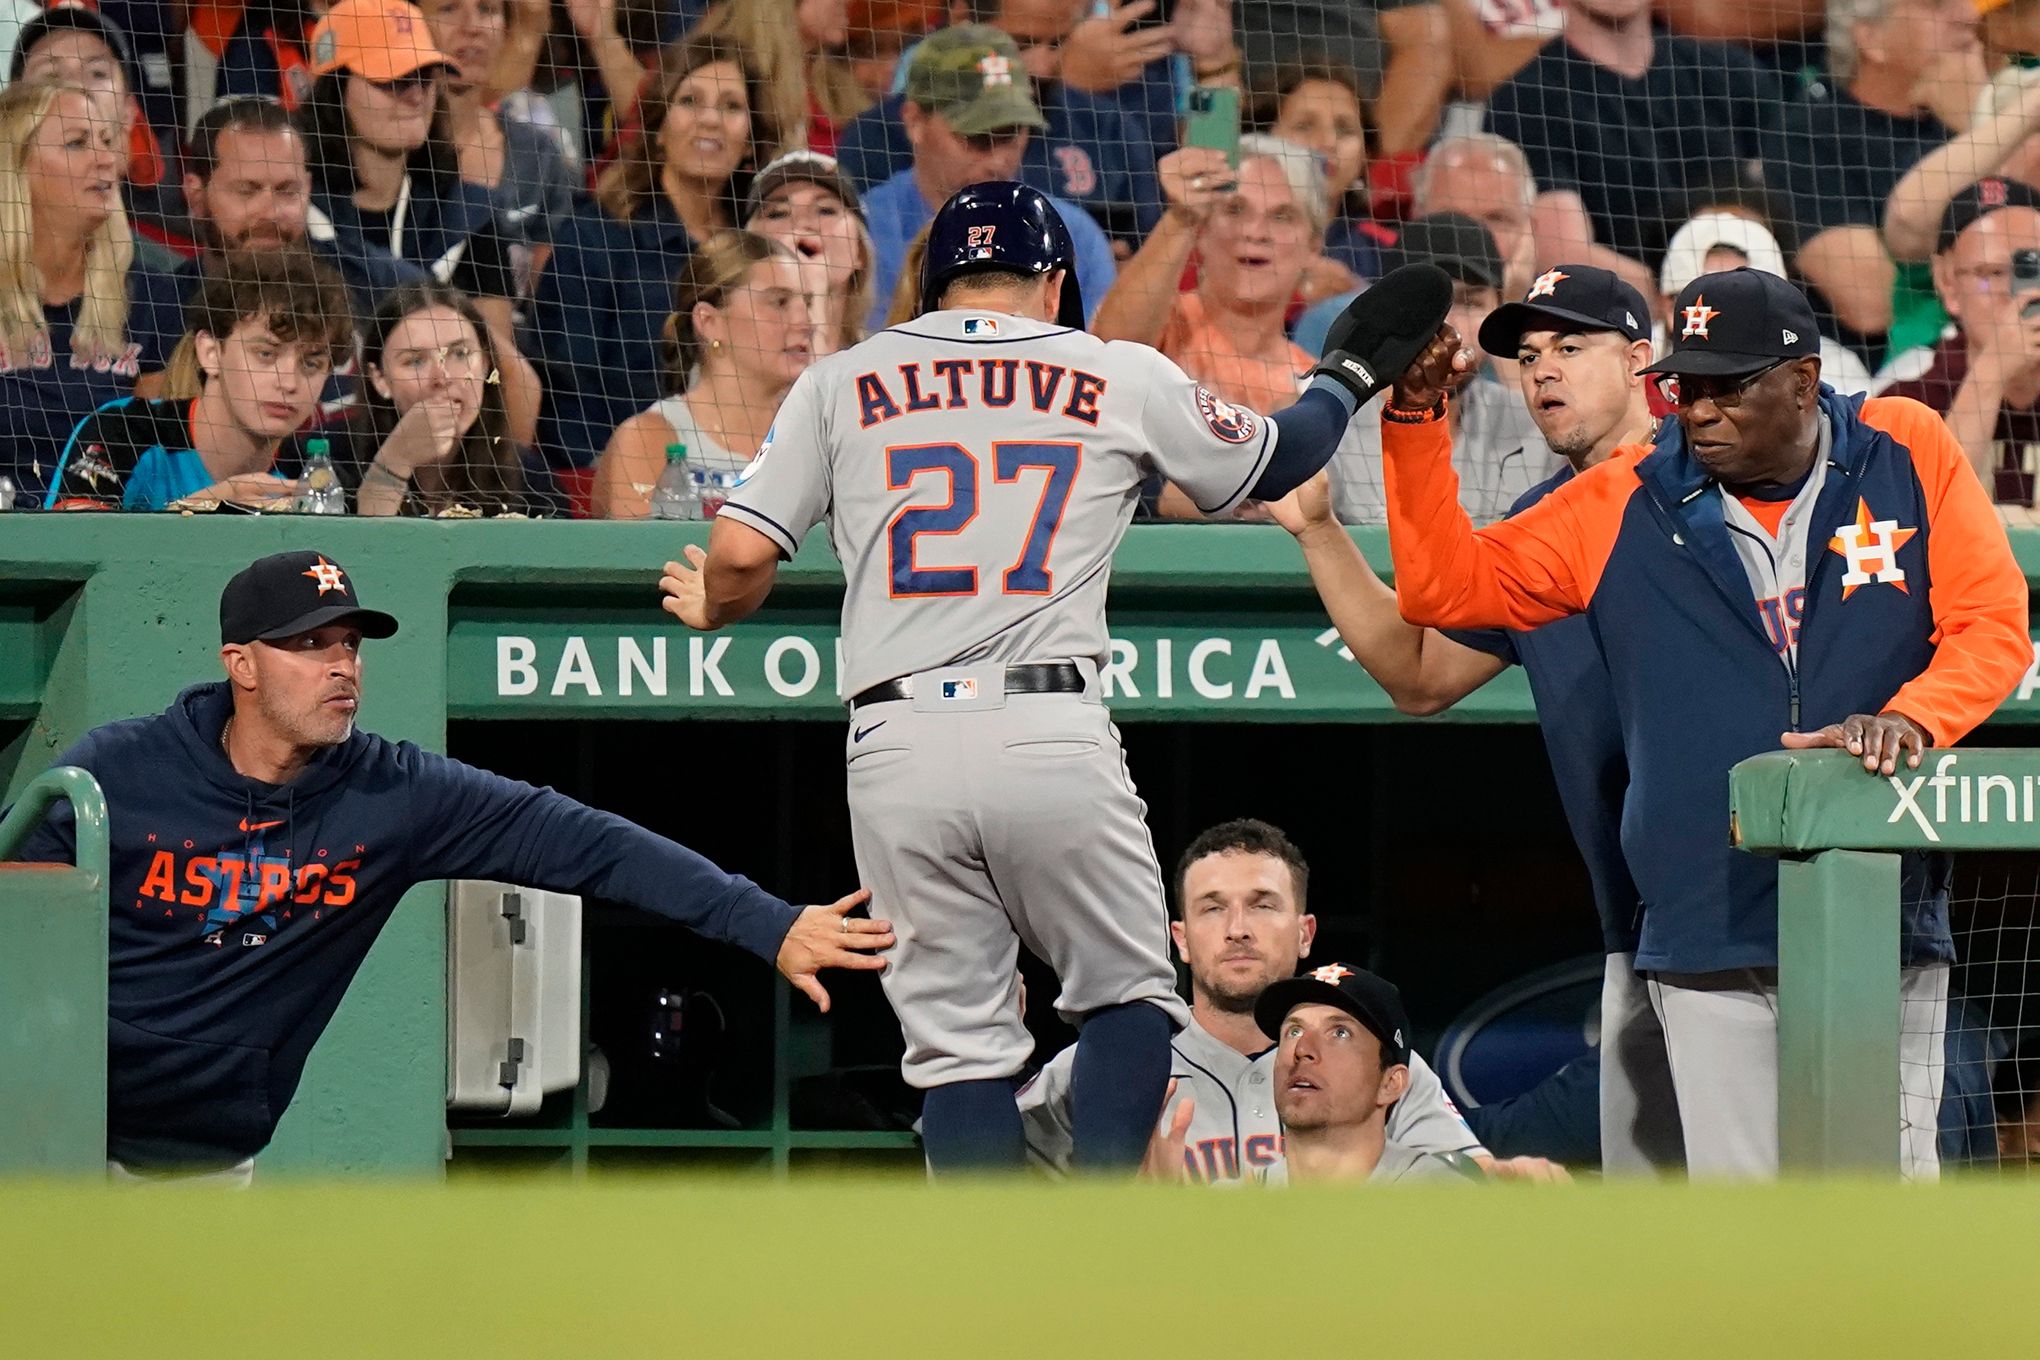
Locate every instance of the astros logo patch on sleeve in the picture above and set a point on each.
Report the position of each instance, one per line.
(1233, 424)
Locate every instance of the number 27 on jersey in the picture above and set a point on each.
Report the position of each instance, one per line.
(1013, 463)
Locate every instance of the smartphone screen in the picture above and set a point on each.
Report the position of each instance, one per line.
(1213, 121)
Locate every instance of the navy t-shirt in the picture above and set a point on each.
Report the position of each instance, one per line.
(1640, 152)
(1843, 159)
(596, 322)
(1576, 710)
(46, 390)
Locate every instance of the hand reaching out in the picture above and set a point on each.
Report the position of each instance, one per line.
(685, 590)
(1436, 371)
(828, 937)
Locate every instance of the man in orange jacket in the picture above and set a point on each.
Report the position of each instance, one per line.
(1782, 559)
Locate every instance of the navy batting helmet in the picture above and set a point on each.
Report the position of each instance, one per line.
(1000, 225)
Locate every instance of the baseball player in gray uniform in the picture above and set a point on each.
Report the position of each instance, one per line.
(1242, 923)
(977, 467)
(1341, 1064)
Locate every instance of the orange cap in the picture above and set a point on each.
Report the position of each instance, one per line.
(377, 39)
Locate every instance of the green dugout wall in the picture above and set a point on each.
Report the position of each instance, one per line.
(105, 617)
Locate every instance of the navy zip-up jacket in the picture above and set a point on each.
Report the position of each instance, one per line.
(240, 910)
(1913, 603)
(1582, 736)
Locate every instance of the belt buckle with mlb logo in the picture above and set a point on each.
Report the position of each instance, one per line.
(959, 689)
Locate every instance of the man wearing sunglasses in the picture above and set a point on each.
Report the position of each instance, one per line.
(1784, 566)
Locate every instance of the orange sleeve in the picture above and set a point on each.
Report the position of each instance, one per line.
(1978, 593)
(1527, 570)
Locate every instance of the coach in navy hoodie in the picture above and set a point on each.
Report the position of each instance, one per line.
(260, 842)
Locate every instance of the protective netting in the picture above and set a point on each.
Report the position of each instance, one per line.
(556, 244)
(1990, 1109)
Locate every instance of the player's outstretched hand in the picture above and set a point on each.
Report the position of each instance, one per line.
(685, 592)
(1306, 508)
(1881, 739)
(1535, 1169)
(1164, 1160)
(1436, 371)
(829, 937)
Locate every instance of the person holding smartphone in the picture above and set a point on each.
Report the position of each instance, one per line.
(1254, 230)
(1985, 377)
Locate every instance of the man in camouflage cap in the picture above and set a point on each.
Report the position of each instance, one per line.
(968, 112)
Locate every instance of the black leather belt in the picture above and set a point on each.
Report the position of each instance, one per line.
(1040, 677)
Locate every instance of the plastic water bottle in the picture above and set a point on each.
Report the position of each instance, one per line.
(319, 491)
(674, 496)
(712, 489)
(7, 493)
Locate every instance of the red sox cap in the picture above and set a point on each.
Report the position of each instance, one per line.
(1372, 1000)
(285, 594)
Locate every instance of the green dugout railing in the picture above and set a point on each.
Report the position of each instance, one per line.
(106, 616)
(53, 988)
(1837, 832)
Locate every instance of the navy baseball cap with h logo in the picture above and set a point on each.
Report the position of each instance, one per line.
(1372, 1000)
(1574, 298)
(288, 593)
(1738, 322)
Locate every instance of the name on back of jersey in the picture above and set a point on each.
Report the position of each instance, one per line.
(970, 384)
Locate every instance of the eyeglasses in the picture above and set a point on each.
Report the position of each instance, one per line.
(1682, 390)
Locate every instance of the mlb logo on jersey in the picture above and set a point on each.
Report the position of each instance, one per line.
(959, 689)
(976, 326)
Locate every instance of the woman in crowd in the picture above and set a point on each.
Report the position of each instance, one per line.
(386, 181)
(77, 323)
(602, 302)
(437, 433)
(804, 200)
(1320, 108)
(738, 337)
(530, 186)
(809, 97)
(1255, 232)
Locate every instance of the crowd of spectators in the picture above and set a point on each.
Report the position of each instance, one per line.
(638, 220)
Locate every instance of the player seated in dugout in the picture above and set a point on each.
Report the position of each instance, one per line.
(1341, 1061)
(1240, 899)
(266, 329)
